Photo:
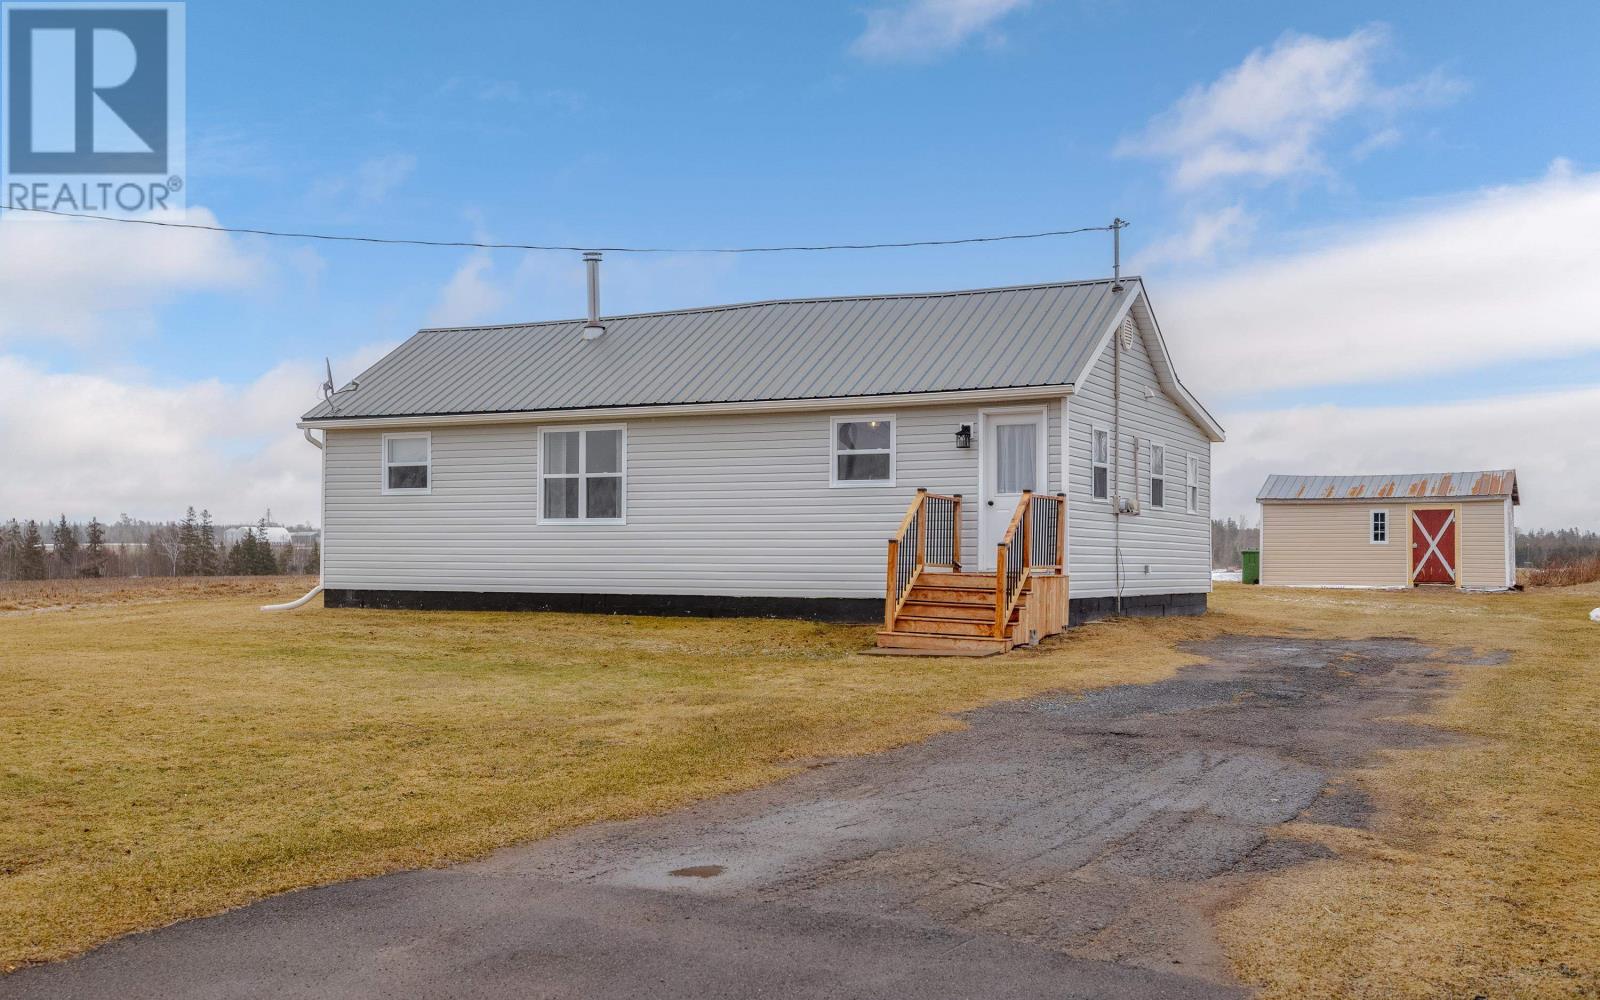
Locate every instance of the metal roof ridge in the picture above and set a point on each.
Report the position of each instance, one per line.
(1129, 279)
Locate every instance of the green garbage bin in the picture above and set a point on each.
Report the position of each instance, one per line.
(1250, 560)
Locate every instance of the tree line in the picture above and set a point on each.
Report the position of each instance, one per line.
(30, 550)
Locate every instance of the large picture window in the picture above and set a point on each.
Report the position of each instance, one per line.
(407, 463)
(863, 451)
(582, 474)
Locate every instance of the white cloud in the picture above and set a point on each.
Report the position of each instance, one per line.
(87, 444)
(1266, 118)
(486, 289)
(918, 29)
(1208, 232)
(1549, 438)
(70, 278)
(371, 182)
(1504, 274)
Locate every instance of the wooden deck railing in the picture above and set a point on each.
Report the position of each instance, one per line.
(1036, 538)
(929, 535)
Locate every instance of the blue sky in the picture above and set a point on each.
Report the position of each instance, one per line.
(1307, 187)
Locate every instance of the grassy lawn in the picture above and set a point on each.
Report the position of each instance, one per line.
(168, 751)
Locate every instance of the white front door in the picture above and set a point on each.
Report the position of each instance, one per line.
(1012, 455)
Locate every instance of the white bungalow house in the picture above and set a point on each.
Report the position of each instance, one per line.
(766, 459)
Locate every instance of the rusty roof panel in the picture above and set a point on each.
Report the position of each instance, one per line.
(1420, 485)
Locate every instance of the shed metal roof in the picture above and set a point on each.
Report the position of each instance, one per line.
(782, 350)
(1407, 486)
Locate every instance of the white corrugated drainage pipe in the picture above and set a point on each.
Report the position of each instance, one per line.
(321, 556)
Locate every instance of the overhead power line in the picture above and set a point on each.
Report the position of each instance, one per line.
(469, 244)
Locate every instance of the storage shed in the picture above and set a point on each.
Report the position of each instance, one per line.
(1455, 529)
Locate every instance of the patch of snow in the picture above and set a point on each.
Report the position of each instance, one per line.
(1227, 575)
(1594, 616)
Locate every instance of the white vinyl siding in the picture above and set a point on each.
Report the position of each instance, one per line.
(1164, 551)
(737, 504)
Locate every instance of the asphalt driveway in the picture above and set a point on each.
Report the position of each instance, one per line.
(1056, 847)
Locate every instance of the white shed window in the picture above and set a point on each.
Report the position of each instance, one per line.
(1158, 475)
(1100, 464)
(1194, 484)
(407, 462)
(863, 451)
(1380, 527)
(582, 473)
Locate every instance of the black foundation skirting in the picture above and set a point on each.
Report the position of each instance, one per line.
(1088, 609)
(823, 609)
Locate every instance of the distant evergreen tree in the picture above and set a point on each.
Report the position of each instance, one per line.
(32, 563)
(266, 562)
(206, 544)
(242, 556)
(11, 550)
(188, 545)
(65, 537)
(94, 554)
(314, 557)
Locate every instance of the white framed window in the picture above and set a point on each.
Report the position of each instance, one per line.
(1158, 474)
(408, 463)
(1099, 463)
(862, 451)
(583, 474)
(1193, 483)
(1379, 530)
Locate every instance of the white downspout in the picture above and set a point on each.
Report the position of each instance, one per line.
(322, 549)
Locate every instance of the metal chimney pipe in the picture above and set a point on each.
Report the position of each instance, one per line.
(594, 328)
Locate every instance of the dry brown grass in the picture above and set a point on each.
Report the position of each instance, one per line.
(166, 752)
(1483, 874)
(1567, 574)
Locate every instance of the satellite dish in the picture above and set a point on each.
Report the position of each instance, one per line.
(328, 391)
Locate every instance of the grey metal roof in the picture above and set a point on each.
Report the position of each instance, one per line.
(1416, 485)
(788, 349)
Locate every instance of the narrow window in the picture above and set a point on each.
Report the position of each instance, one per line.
(1100, 465)
(1380, 527)
(863, 451)
(1194, 484)
(1158, 475)
(582, 474)
(407, 462)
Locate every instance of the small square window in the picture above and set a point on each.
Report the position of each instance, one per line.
(407, 462)
(863, 451)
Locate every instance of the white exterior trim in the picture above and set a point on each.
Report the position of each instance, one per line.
(384, 464)
(689, 409)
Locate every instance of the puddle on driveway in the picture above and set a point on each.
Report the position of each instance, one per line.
(699, 871)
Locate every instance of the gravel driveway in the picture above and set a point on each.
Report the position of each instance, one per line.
(1056, 847)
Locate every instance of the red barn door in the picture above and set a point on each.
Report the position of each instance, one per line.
(1433, 546)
